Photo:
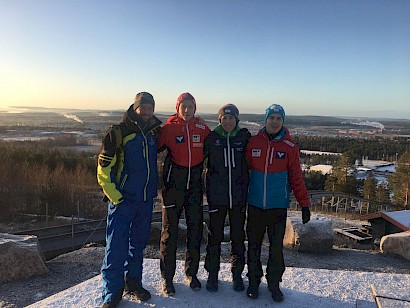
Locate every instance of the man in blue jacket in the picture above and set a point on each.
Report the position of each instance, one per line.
(127, 173)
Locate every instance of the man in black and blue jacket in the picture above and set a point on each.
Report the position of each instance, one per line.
(128, 176)
(226, 190)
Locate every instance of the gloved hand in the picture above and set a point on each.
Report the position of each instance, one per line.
(305, 214)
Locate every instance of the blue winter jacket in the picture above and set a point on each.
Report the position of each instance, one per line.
(130, 173)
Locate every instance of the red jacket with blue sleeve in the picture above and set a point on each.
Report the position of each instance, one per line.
(275, 171)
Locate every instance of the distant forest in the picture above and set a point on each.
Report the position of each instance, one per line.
(377, 148)
(40, 177)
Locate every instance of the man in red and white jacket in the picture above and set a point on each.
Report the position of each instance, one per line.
(275, 171)
(183, 136)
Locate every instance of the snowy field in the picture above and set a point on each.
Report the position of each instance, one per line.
(302, 287)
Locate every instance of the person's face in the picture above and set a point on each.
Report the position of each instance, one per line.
(186, 110)
(145, 111)
(274, 123)
(228, 122)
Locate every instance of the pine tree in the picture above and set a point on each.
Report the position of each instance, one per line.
(369, 187)
(382, 193)
(341, 179)
(400, 181)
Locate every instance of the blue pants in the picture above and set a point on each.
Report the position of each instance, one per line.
(128, 229)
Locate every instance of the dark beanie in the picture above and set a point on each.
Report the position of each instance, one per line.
(228, 109)
(143, 98)
(185, 97)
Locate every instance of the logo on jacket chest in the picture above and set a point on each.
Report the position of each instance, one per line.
(151, 141)
(239, 146)
(196, 138)
(179, 139)
(280, 155)
(256, 152)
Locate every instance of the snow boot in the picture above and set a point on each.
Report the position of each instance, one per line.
(193, 282)
(212, 282)
(168, 288)
(277, 294)
(253, 288)
(238, 282)
(134, 288)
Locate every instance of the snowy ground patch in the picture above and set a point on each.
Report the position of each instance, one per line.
(302, 287)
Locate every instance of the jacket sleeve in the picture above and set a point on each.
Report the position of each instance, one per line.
(162, 138)
(206, 147)
(249, 153)
(247, 160)
(106, 162)
(296, 179)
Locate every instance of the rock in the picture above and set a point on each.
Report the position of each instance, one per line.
(397, 243)
(20, 257)
(314, 236)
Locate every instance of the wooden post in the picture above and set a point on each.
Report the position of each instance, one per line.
(374, 293)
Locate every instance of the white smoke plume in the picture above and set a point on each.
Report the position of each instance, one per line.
(369, 123)
(72, 117)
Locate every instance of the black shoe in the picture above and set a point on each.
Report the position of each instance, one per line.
(277, 294)
(193, 282)
(141, 294)
(212, 282)
(253, 288)
(134, 288)
(238, 283)
(168, 288)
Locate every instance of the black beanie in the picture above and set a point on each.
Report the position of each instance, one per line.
(143, 98)
(229, 109)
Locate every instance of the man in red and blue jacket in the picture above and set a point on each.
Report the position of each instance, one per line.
(275, 171)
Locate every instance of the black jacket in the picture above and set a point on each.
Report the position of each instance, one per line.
(227, 174)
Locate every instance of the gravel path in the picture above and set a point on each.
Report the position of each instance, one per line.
(72, 268)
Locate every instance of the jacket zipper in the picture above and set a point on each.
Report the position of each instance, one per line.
(145, 154)
(229, 171)
(266, 175)
(189, 156)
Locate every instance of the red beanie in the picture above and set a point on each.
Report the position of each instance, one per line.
(185, 97)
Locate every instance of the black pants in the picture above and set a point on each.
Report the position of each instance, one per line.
(217, 215)
(191, 201)
(274, 220)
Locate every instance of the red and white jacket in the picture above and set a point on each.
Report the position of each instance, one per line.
(184, 141)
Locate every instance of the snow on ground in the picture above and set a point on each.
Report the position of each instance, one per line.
(302, 287)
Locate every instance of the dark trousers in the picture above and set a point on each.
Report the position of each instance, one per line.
(274, 221)
(190, 201)
(217, 215)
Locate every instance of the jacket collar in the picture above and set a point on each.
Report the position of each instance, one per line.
(220, 131)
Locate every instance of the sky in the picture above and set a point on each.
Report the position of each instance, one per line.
(318, 57)
(302, 287)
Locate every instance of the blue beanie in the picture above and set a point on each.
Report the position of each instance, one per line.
(275, 108)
